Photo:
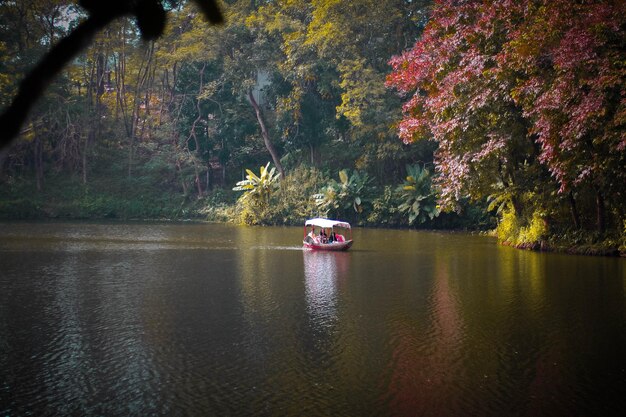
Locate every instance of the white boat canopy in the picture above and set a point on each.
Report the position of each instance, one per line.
(327, 223)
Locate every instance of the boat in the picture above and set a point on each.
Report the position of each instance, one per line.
(321, 231)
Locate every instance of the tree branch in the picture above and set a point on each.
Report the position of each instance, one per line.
(151, 19)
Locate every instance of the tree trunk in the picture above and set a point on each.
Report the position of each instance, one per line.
(182, 179)
(266, 137)
(601, 212)
(4, 153)
(193, 135)
(88, 141)
(574, 210)
(38, 151)
(94, 126)
(209, 180)
(197, 173)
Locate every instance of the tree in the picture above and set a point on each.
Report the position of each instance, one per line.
(150, 17)
(29, 28)
(333, 64)
(487, 82)
(572, 92)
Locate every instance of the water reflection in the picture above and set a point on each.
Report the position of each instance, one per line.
(323, 272)
(223, 320)
(427, 354)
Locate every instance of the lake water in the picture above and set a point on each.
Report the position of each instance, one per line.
(218, 320)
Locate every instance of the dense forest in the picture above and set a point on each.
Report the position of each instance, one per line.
(490, 115)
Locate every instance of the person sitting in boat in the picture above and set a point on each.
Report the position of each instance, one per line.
(339, 238)
(332, 238)
(312, 237)
(323, 236)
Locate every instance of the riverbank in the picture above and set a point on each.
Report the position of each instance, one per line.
(134, 202)
(224, 214)
(67, 198)
(608, 248)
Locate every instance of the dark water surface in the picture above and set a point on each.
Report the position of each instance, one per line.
(218, 320)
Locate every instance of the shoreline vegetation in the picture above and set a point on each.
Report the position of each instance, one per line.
(65, 200)
(505, 118)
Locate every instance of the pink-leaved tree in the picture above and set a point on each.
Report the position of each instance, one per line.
(525, 100)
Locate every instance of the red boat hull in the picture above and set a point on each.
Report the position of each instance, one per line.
(335, 246)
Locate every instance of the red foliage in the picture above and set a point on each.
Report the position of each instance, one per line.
(483, 68)
(574, 86)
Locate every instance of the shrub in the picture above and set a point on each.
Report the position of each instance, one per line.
(349, 198)
(290, 203)
(508, 227)
(261, 187)
(385, 209)
(418, 200)
(520, 232)
(294, 201)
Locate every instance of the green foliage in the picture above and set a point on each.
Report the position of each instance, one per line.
(253, 207)
(500, 201)
(385, 209)
(20, 208)
(259, 188)
(418, 199)
(293, 199)
(508, 228)
(147, 142)
(252, 213)
(523, 217)
(289, 204)
(113, 198)
(344, 198)
(219, 206)
(535, 231)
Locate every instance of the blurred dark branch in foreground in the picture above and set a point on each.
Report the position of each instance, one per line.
(150, 17)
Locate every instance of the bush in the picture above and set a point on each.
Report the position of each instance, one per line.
(535, 232)
(418, 199)
(294, 199)
(219, 206)
(508, 228)
(20, 208)
(526, 233)
(349, 198)
(385, 209)
(290, 204)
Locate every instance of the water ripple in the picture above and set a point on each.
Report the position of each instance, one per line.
(200, 320)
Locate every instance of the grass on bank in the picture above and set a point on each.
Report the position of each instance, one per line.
(68, 198)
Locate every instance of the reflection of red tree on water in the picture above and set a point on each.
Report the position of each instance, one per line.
(547, 380)
(425, 362)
